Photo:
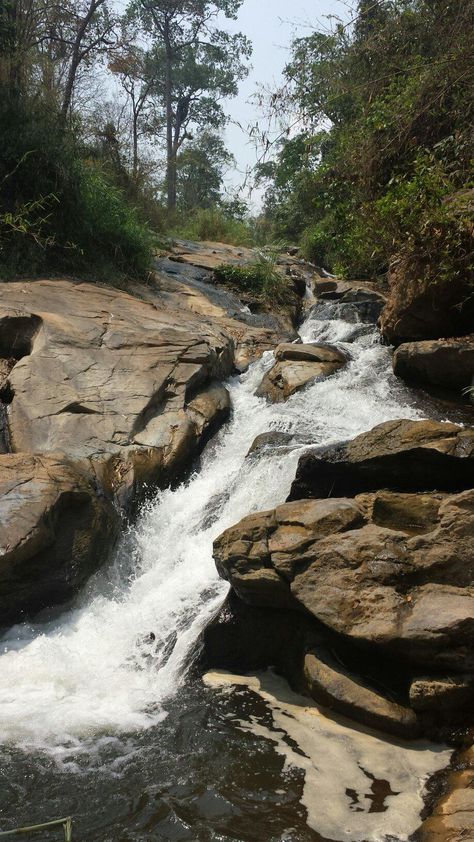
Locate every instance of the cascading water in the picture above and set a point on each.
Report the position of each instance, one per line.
(76, 688)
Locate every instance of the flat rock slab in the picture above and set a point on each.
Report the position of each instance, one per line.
(407, 590)
(54, 532)
(399, 455)
(448, 363)
(296, 366)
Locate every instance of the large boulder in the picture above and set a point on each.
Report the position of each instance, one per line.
(400, 455)
(55, 530)
(394, 572)
(118, 385)
(296, 366)
(448, 363)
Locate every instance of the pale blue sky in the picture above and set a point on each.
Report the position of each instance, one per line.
(271, 25)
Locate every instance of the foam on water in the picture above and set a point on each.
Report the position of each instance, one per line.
(95, 671)
(341, 763)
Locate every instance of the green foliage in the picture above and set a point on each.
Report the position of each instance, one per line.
(59, 210)
(394, 95)
(213, 224)
(200, 172)
(260, 277)
(107, 232)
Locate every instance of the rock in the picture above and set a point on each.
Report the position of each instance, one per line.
(210, 256)
(452, 819)
(242, 638)
(422, 304)
(400, 455)
(271, 440)
(256, 556)
(111, 381)
(330, 685)
(296, 366)
(443, 694)
(185, 289)
(310, 352)
(407, 591)
(54, 532)
(356, 302)
(5, 369)
(448, 363)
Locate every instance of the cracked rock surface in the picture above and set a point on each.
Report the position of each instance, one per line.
(111, 380)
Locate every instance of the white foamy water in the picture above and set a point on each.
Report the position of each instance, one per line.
(340, 764)
(94, 672)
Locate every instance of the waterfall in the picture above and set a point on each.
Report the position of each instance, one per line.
(111, 662)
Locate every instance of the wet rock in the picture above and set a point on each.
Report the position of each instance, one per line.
(400, 455)
(55, 530)
(408, 592)
(452, 819)
(242, 638)
(448, 363)
(271, 440)
(356, 304)
(112, 381)
(5, 369)
(298, 365)
(332, 686)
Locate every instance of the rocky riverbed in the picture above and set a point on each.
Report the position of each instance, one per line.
(340, 503)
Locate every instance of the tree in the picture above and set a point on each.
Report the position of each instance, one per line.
(196, 65)
(200, 171)
(91, 32)
(136, 70)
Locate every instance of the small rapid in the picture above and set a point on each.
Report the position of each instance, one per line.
(110, 664)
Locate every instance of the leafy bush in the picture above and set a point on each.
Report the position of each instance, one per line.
(215, 225)
(261, 277)
(58, 210)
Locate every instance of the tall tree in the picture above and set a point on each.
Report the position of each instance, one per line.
(200, 172)
(91, 32)
(196, 65)
(135, 69)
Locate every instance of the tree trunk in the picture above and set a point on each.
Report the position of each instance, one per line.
(76, 56)
(170, 151)
(135, 113)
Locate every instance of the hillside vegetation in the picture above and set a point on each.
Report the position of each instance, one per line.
(379, 159)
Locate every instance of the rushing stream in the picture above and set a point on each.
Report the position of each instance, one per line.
(98, 716)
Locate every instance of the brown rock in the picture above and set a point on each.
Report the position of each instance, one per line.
(271, 439)
(443, 694)
(399, 455)
(296, 366)
(330, 685)
(452, 819)
(54, 532)
(408, 591)
(448, 363)
(111, 381)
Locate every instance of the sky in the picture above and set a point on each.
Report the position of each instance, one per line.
(271, 25)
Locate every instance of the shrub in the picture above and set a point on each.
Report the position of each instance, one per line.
(260, 277)
(58, 211)
(213, 224)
